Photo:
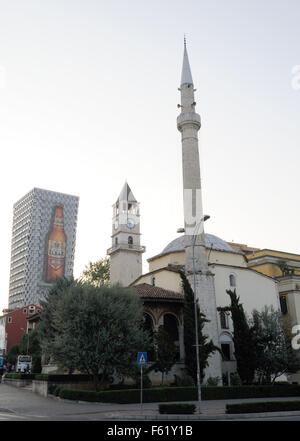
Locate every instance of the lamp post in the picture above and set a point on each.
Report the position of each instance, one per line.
(182, 230)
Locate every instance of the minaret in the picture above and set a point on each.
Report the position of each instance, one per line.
(126, 251)
(196, 265)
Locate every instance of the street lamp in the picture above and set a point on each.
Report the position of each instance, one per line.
(182, 230)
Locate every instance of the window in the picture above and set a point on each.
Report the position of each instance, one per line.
(116, 241)
(232, 280)
(9, 320)
(153, 281)
(225, 348)
(25, 311)
(224, 320)
(130, 241)
(31, 309)
(171, 327)
(283, 304)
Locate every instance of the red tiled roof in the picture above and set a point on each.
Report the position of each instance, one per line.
(146, 291)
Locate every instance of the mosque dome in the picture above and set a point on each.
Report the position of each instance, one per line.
(211, 242)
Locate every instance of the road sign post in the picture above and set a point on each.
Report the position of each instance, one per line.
(142, 361)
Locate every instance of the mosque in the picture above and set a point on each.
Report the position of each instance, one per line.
(212, 265)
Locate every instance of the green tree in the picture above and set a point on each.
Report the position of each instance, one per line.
(97, 273)
(274, 354)
(45, 330)
(165, 352)
(13, 354)
(206, 348)
(32, 342)
(98, 330)
(243, 339)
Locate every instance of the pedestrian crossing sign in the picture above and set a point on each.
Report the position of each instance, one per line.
(142, 358)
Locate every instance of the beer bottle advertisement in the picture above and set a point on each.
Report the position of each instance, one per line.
(56, 246)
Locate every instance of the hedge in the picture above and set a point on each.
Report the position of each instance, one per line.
(20, 376)
(267, 406)
(166, 394)
(177, 408)
(72, 378)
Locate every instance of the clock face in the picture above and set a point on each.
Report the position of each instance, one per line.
(130, 223)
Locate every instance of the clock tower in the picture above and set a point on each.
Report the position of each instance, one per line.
(126, 251)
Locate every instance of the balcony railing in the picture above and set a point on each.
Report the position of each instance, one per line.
(126, 246)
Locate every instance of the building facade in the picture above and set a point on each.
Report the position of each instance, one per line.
(43, 244)
(14, 324)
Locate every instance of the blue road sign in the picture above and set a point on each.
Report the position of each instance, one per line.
(142, 358)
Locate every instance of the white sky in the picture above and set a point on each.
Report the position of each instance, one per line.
(88, 98)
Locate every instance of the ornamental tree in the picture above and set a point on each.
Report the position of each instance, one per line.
(97, 330)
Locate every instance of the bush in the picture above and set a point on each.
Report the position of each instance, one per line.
(167, 394)
(186, 380)
(177, 408)
(19, 376)
(79, 395)
(235, 379)
(73, 378)
(267, 406)
(36, 365)
(212, 381)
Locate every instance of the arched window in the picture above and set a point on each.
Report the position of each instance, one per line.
(171, 327)
(148, 326)
(130, 241)
(232, 280)
(116, 241)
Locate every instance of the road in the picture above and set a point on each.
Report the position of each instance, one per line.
(24, 405)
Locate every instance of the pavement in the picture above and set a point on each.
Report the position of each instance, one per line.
(21, 404)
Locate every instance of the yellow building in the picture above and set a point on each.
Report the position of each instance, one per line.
(285, 268)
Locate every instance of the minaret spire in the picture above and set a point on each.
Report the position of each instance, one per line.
(186, 75)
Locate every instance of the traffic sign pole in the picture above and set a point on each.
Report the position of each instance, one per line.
(141, 387)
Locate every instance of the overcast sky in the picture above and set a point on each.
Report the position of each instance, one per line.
(88, 99)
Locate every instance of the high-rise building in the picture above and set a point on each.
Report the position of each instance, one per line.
(43, 244)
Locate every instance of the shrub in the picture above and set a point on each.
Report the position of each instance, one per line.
(177, 408)
(186, 380)
(235, 379)
(167, 394)
(267, 406)
(19, 376)
(212, 381)
(82, 395)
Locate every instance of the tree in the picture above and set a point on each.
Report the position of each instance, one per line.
(31, 341)
(274, 354)
(243, 339)
(97, 273)
(13, 354)
(98, 330)
(206, 348)
(45, 330)
(165, 352)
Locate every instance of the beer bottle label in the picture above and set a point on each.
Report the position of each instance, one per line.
(56, 249)
(56, 254)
